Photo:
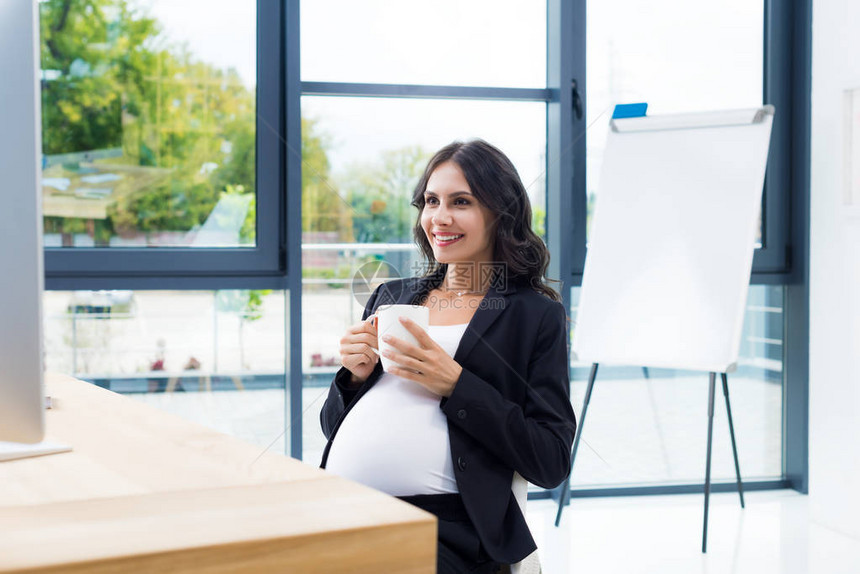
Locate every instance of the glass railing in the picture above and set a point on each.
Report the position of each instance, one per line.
(150, 341)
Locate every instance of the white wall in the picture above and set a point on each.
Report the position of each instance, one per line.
(834, 393)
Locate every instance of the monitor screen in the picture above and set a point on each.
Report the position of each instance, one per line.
(21, 279)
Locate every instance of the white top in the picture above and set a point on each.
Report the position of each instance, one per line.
(395, 439)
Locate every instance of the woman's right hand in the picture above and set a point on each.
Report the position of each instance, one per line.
(359, 350)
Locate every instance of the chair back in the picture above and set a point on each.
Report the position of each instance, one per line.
(531, 563)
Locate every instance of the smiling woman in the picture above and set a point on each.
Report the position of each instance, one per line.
(473, 189)
(460, 226)
(482, 396)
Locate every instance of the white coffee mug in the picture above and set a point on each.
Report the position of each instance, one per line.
(388, 323)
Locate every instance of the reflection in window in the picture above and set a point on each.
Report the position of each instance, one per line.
(148, 124)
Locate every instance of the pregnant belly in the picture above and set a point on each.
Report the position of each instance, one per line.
(395, 439)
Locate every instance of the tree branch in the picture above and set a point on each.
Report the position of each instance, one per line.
(58, 27)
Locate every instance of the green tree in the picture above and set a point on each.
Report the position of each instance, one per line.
(247, 305)
(89, 49)
(323, 207)
(380, 194)
(113, 81)
(539, 221)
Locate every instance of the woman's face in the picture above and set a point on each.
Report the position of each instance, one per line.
(457, 226)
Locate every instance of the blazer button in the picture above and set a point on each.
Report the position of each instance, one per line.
(461, 414)
(461, 463)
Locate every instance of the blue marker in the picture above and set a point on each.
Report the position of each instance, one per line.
(629, 111)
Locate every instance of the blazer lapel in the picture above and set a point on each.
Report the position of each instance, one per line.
(492, 306)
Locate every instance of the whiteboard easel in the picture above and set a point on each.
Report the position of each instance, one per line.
(671, 248)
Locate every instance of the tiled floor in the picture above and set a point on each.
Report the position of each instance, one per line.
(663, 535)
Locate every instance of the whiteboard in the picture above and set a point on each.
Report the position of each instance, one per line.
(673, 235)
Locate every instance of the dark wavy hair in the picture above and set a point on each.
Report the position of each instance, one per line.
(494, 181)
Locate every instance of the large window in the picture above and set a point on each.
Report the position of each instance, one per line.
(159, 143)
(362, 156)
(680, 57)
(214, 357)
(223, 179)
(148, 125)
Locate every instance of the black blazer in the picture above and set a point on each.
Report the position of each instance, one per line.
(510, 410)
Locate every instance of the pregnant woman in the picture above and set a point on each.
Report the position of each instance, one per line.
(485, 392)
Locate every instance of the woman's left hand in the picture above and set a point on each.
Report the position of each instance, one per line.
(427, 363)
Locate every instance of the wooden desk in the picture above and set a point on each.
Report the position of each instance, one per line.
(145, 491)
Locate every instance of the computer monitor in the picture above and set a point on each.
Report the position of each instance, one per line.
(22, 402)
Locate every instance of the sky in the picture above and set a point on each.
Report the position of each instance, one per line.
(220, 32)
